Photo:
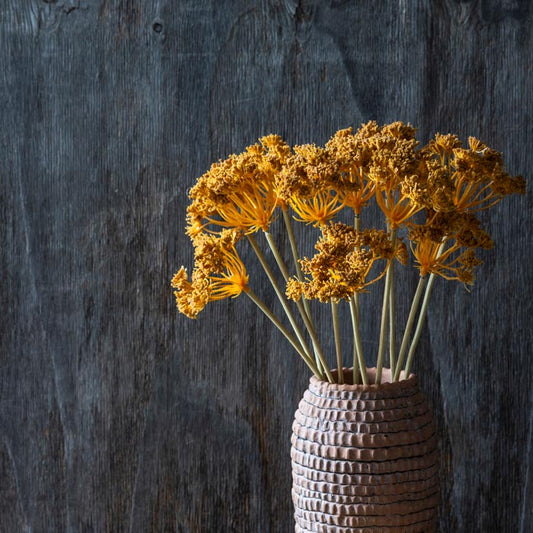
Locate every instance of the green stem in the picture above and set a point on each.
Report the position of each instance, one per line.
(384, 312)
(357, 222)
(336, 333)
(392, 321)
(310, 363)
(279, 294)
(357, 226)
(422, 315)
(420, 324)
(279, 260)
(356, 356)
(314, 339)
(292, 241)
(354, 312)
(409, 326)
(285, 306)
(299, 275)
(319, 355)
(358, 346)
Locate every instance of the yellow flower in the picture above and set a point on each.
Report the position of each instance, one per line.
(191, 297)
(443, 145)
(358, 196)
(467, 179)
(392, 159)
(308, 171)
(232, 281)
(228, 279)
(397, 207)
(239, 192)
(480, 179)
(249, 209)
(385, 157)
(426, 252)
(352, 152)
(343, 263)
(317, 210)
(445, 245)
(195, 226)
(210, 250)
(451, 264)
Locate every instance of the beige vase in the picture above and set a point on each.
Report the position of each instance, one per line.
(364, 458)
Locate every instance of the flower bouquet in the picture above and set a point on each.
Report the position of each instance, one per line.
(364, 450)
(429, 197)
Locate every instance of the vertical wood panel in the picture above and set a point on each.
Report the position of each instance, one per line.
(116, 414)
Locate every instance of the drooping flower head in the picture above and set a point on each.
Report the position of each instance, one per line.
(218, 273)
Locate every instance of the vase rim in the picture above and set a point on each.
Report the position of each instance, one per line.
(386, 382)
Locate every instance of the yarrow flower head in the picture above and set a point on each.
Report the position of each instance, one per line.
(239, 191)
(218, 273)
(343, 263)
(354, 156)
(306, 185)
(474, 177)
(446, 245)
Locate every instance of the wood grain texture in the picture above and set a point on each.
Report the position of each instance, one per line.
(116, 414)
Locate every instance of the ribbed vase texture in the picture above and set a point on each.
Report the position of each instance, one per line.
(364, 458)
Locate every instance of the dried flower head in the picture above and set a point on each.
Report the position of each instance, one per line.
(318, 209)
(446, 245)
(239, 191)
(470, 179)
(309, 170)
(343, 263)
(218, 273)
(352, 153)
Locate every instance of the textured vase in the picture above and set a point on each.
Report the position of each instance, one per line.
(364, 458)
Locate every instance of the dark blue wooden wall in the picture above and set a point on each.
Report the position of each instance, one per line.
(119, 415)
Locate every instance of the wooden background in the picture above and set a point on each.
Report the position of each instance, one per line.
(116, 413)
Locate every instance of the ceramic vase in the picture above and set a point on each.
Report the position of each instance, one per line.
(365, 458)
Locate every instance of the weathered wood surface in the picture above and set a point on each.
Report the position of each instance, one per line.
(116, 414)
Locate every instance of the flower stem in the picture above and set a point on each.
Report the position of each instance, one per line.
(354, 312)
(422, 315)
(296, 258)
(279, 260)
(319, 355)
(409, 326)
(278, 292)
(420, 324)
(299, 274)
(310, 363)
(392, 322)
(359, 362)
(292, 241)
(336, 333)
(283, 302)
(357, 226)
(384, 312)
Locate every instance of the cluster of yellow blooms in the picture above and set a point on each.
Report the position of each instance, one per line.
(243, 192)
(343, 263)
(431, 193)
